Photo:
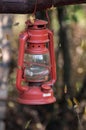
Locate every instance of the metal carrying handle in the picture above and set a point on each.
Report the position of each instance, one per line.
(52, 55)
(22, 40)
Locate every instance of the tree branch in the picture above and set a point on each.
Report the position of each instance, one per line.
(27, 6)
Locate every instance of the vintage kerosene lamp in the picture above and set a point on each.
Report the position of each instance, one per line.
(36, 73)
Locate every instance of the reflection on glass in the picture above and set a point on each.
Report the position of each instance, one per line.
(37, 67)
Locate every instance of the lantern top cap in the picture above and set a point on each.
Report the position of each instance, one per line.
(36, 22)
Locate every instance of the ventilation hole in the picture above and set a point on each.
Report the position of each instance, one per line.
(38, 46)
(40, 26)
(33, 46)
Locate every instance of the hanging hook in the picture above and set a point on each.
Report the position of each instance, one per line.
(35, 8)
(32, 16)
(47, 16)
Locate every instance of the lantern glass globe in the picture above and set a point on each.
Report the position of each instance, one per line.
(38, 67)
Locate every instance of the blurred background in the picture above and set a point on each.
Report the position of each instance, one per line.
(69, 112)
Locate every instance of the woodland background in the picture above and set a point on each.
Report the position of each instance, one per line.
(69, 112)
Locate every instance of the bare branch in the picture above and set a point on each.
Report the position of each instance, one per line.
(27, 6)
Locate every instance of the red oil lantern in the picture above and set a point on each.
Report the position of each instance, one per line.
(36, 72)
